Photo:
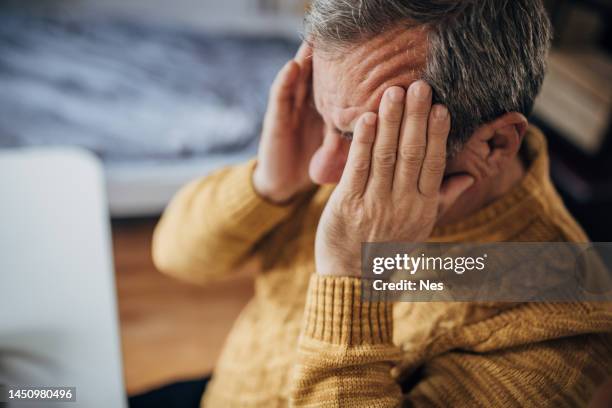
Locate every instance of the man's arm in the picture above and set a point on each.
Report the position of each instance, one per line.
(346, 356)
(345, 352)
(213, 224)
(390, 190)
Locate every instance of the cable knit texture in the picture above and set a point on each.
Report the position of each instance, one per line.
(305, 340)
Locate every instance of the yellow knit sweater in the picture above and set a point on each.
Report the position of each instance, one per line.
(304, 340)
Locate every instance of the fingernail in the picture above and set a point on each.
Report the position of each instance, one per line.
(369, 119)
(396, 94)
(420, 89)
(440, 112)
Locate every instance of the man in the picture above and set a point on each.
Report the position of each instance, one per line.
(416, 110)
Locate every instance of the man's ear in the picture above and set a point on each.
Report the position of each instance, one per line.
(504, 136)
(491, 147)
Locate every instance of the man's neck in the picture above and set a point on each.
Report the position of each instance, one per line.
(485, 192)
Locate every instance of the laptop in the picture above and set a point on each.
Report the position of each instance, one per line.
(58, 306)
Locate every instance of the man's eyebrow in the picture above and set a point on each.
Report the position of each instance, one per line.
(344, 134)
(338, 130)
(341, 129)
(337, 126)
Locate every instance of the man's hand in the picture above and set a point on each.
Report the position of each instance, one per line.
(391, 188)
(292, 132)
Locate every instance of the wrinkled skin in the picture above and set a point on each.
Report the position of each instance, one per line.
(364, 120)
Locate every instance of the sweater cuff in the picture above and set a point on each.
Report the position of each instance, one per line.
(337, 313)
(247, 209)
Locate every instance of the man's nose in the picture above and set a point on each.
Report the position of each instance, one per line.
(335, 143)
(328, 162)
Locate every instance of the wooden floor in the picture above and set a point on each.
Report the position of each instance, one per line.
(170, 331)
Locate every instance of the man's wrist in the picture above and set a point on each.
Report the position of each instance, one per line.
(340, 270)
(271, 195)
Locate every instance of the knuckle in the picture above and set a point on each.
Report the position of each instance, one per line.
(418, 113)
(432, 170)
(385, 157)
(391, 115)
(350, 206)
(412, 154)
(429, 192)
(439, 130)
(434, 165)
(361, 165)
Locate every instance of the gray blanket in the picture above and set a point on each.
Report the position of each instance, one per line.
(126, 90)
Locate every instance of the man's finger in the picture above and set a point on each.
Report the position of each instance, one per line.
(356, 172)
(434, 163)
(282, 93)
(387, 136)
(451, 190)
(305, 51)
(413, 138)
(304, 59)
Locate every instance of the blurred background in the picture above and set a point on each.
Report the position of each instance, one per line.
(161, 91)
(164, 92)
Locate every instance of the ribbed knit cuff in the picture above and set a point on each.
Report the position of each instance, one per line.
(337, 313)
(245, 208)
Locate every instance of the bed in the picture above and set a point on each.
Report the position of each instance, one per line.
(158, 104)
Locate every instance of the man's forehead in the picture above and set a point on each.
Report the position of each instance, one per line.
(351, 82)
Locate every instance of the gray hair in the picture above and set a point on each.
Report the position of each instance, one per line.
(485, 57)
